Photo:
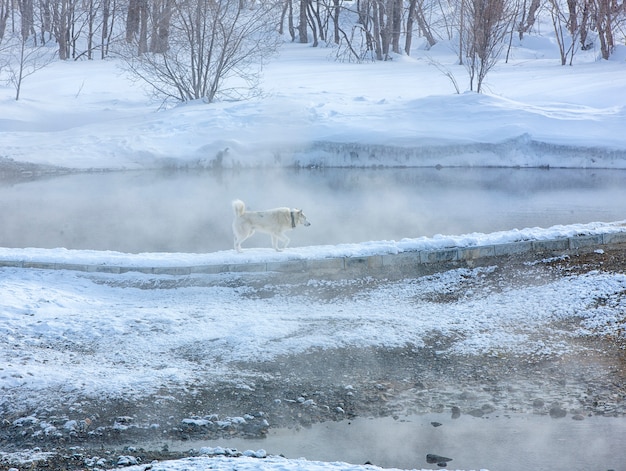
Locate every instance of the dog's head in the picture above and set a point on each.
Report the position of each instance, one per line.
(300, 218)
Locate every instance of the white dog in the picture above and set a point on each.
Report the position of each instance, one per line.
(274, 222)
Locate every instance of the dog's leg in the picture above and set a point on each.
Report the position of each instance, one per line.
(240, 238)
(276, 238)
(275, 245)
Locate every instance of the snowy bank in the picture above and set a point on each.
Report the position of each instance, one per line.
(246, 463)
(319, 112)
(420, 250)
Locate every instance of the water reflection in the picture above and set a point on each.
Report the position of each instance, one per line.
(191, 212)
(515, 442)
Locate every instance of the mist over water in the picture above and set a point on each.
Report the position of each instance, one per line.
(511, 442)
(190, 211)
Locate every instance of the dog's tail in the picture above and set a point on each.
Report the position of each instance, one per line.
(239, 207)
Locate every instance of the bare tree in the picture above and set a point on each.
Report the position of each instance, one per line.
(565, 26)
(485, 27)
(24, 60)
(62, 14)
(215, 50)
(161, 18)
(5, 9)
(608, 14)
(303, 35)
(528, 11)
(109, 9)
(416, 14)
(381, 20)
(137, 24)
(27, 15)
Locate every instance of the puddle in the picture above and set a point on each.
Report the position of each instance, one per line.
(513, 442)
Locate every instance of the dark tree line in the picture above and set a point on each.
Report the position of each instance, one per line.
(76, 28)
(87, 28)
(383, 24)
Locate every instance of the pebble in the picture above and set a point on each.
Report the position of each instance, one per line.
(557, 412)
(432, 458)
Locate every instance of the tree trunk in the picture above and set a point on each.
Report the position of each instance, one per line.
(376, 30)
(5, 9)
(395, 20)
(161, 17)
(525, 25)
(311, 19)
(105, 27)
(143, 27)
(132, 20)
(572, 17)
(336, 21)
(409, 27)
(61, 27)
(90, 33)
(27, 14)
(423, 25)
(302, 27)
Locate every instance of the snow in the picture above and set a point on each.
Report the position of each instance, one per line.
(364, 249)
(247, 463)
(89, 115)
(133, 334)
(316, 111)
(252, 463)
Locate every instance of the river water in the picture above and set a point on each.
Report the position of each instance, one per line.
(507, 442)
(189, 211)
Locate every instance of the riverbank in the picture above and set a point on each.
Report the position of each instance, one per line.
(573, 374)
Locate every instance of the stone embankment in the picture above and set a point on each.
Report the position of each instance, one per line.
(416, 261)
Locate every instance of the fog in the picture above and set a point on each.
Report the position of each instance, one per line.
(190, 211)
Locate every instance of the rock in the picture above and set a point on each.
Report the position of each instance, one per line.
(538, 403)
(476, 412)
(467, 396)
(431, 458)
(557, 412)
(127, 460)
(578, 417)
(436, 424)
(456, 412)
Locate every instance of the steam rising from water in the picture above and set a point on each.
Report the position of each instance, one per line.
(191, 212)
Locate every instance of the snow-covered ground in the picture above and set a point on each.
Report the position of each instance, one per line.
(248, 463)
(50, 316)
(316, 111)
(66, 334)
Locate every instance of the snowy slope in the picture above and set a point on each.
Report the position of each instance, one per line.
(316, 111)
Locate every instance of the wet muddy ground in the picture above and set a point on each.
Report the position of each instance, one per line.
(333, 385)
